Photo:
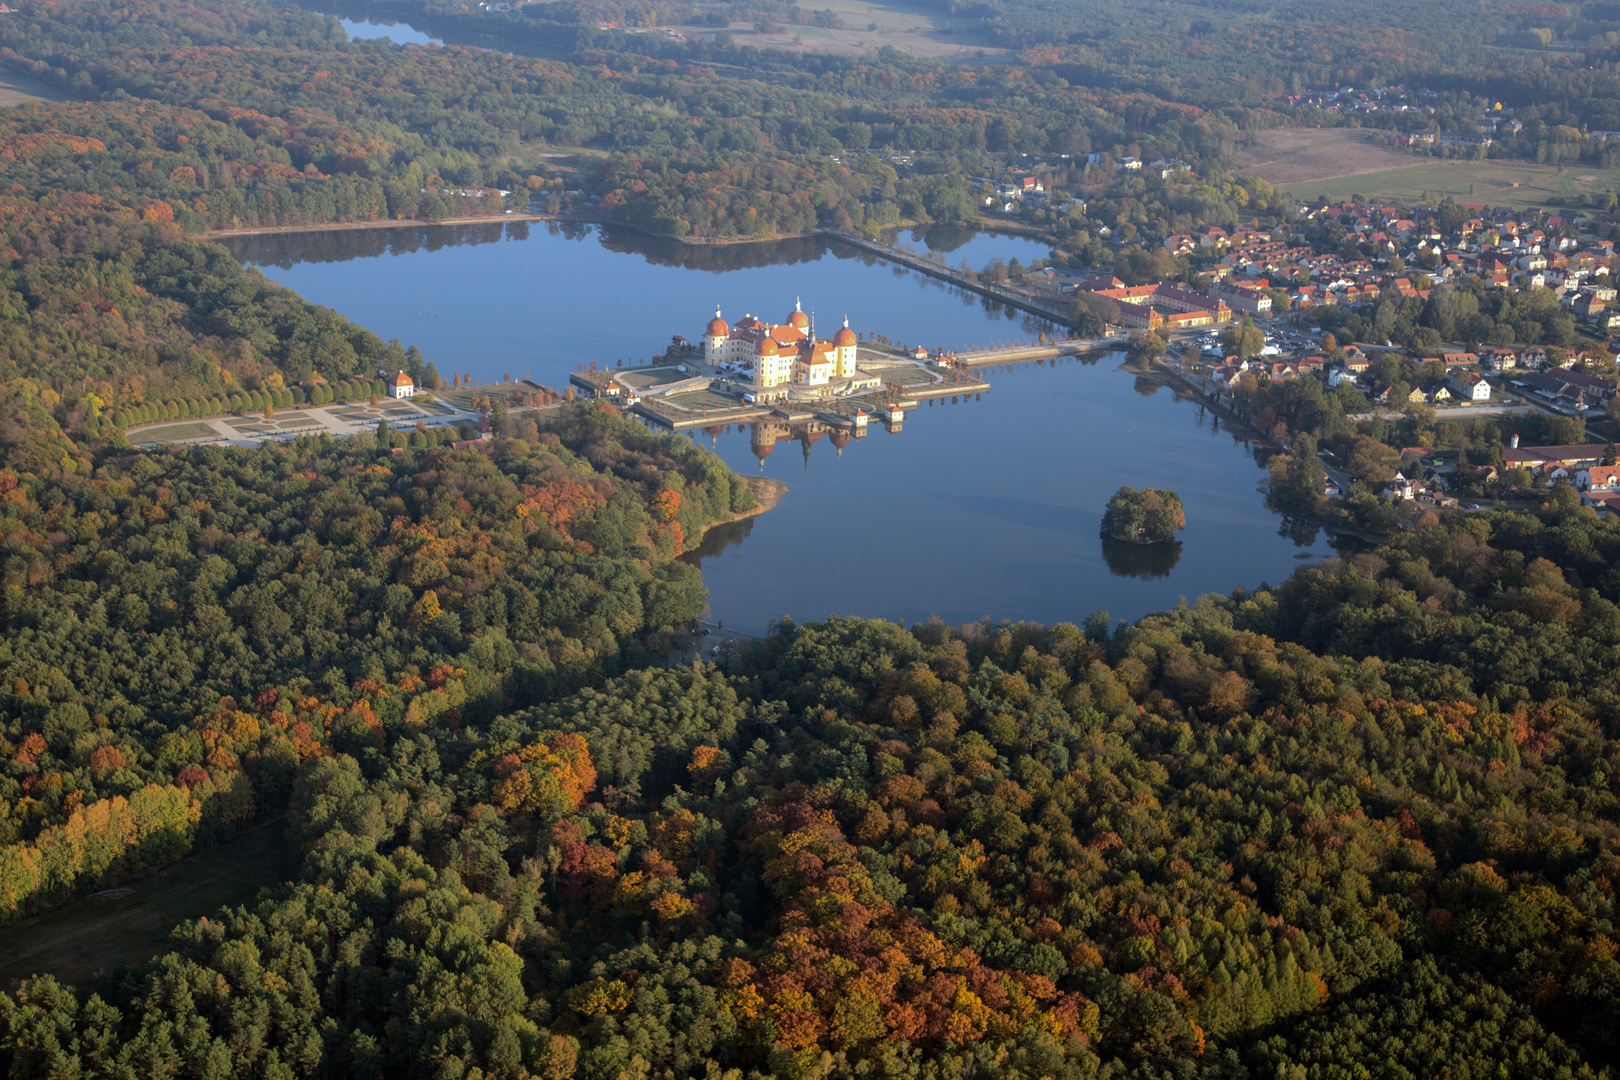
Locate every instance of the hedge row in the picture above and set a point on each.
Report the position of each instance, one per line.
(247, 400)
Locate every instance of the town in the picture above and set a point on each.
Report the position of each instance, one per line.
(1439, 331)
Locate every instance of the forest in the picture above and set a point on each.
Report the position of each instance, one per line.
(1360, 823)
(1291, 832)
(186, 125)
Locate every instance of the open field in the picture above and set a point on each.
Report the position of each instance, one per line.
(1288, 157)
(17, 87)
(703, 399)
(131, 922)
(1340, 162)
(175, 433)
(463, 398)
(870, 26)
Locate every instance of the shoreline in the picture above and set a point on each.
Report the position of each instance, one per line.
(980, 226)
(345, 226)
(563, 219)
(768, 493)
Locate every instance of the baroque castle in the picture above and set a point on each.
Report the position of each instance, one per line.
(780, 356)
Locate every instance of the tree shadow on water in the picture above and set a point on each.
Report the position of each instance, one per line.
(1302, 527)
(718, 539)
(1145, 561)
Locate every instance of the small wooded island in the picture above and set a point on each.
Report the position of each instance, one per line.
(1149, 516)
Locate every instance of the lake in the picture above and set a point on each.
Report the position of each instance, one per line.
(397, 32)
(957, 244)
(988, 506)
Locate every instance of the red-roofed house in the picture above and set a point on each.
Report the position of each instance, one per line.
(402, 386)
(1598, 478)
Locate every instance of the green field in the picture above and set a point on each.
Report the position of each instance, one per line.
(905, 375)
(703, 399)
(132, 922)
(1497, 183)
(463, 398)
(174, 433)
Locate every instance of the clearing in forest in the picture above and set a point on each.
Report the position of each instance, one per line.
(131, 921)
(1341, 162)
(868, 26)
(1288, 157)
(17, 88)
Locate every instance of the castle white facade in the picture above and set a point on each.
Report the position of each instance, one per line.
(778, 356)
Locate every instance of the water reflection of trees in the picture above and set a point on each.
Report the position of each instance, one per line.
(286, 250)
(718, 539)
(714, 258)
(1145, 561)
(1299, 525)
(938, 239)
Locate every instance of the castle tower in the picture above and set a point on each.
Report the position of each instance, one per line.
(844, 346)
(715, 336)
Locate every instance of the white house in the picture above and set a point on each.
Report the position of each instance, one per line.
(1471, 386)
(1598, 478)
(403, 386)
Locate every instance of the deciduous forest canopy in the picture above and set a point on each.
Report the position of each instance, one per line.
(1360, 823)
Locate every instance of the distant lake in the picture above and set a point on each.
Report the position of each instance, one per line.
(984, 506)
(398, 32)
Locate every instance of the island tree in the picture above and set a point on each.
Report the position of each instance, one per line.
(1149, 516)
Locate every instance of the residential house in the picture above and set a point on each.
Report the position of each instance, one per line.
(1556, 390)
(1248, 298)
(1587, 305)
(1471, 386)
(1593, 386)
(1604, 502)
(1598, 478)
(1399, 489)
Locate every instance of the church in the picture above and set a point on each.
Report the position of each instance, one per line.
(781, 356)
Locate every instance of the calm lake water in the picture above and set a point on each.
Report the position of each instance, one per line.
(987, 506)
(957, 243)
(397, 32)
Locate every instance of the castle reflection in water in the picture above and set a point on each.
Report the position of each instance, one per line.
(766, 437)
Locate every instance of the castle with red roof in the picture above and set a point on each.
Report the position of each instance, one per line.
(781, 355)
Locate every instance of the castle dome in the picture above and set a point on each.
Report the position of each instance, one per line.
(844, 337)
(717, 326)
(797, 318)
(767, 347)
(763, 442)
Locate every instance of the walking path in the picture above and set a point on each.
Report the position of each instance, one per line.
(939, 270)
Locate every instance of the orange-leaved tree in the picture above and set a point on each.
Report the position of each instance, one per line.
(548, 778)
